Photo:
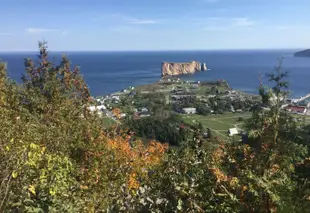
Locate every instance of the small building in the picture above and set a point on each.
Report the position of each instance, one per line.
(97, 108)
(143, 109)
(101, 107)
(115, 97)
(296, 109)
(144, 114)
(195, 86)
(123, 115)
(233, 131)
(189, 110)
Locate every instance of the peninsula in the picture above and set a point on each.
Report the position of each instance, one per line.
(304, 53)
(172, 69)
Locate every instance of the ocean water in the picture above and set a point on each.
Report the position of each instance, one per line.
(108, 72)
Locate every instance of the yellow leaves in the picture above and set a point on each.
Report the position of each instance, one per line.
(14, 174)
(244, 188)
(83, 187)
(32, 189)
(43, 149)
(234, 182)
(52, 191)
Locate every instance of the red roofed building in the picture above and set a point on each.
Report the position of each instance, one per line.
(296, 109)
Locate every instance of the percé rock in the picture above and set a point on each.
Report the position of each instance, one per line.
(204, 67)
(180, 68)
(304, 53)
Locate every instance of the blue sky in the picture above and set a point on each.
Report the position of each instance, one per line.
(154, 24)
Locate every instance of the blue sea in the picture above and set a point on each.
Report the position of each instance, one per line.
(108, 72)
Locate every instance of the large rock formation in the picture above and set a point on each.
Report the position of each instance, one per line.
(180, 68)
(304, 53)
(204, 67)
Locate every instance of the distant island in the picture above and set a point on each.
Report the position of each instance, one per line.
(304, 53)
(171, 69)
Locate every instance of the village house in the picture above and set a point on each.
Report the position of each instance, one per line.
(144, 114)
(189, 110)
(144, 109)
(99, 109)
(296, 109)
(232, 132)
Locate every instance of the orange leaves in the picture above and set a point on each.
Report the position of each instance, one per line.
(132, 182)
(83, 187)
(220, 176)
(136, 153)
(117, 112)
(217, 155)
(135, 156)
(116, 157)
(274, 168)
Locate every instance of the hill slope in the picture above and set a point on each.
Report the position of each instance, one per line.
(304, 53)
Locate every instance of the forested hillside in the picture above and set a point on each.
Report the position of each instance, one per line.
(56, 155)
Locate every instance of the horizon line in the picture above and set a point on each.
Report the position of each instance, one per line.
(167, 50)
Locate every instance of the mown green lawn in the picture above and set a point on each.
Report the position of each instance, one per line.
(219, 124)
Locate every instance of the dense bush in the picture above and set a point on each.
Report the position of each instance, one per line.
(170, 130)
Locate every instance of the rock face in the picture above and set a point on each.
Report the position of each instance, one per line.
(180, 68)
(204, 67)
(304, 53)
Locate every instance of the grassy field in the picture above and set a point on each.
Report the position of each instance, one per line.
(219, 124)
(302, 118)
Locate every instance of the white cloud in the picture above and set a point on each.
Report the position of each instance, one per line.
(143, 21)
(122, 19)
(46, 30)
(126, 29)
(211, 1)
(224, 23)
(290, 27)
(242, 22)
(40, 30)
(215, 29)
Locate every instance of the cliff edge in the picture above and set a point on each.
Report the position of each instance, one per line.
(304, 53)
(171, 69)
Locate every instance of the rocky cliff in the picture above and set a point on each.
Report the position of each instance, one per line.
(181, 68)
(204, 67)
(304, 53)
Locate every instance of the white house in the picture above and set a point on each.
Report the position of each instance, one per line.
(115, 97)
(233, 131)
(189, 110)
(97, 108)
(143, 109)
(101, 107)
